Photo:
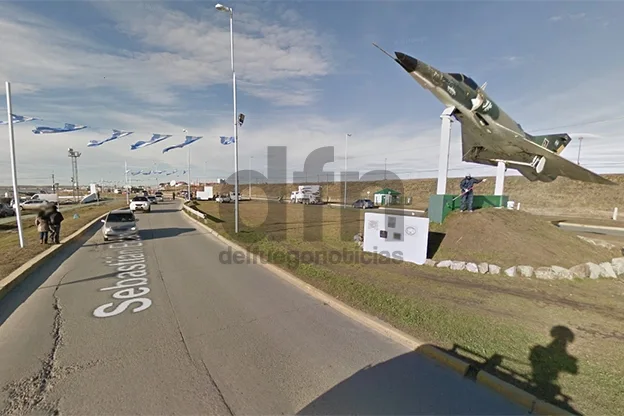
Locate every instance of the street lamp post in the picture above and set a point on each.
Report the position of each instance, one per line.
(229, 10)
(346, 146)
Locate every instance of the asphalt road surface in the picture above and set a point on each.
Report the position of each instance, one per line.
(161, 326)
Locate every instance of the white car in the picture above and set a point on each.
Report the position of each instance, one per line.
(35, 204)
(140, 203)
(223, 198)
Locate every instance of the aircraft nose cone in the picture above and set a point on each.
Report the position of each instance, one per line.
(407, 62)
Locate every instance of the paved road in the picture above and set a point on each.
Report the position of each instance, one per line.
(192, 335)
(594, 229)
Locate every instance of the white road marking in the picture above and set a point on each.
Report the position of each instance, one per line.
(132, 272)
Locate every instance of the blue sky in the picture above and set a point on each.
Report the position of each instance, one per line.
(307, 74)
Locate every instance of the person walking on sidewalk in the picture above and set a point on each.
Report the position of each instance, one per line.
(43, 226)
(56, 218)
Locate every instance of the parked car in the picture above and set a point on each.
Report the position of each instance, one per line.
(223, 198)
(6, 210)
(152, 199)
(119, 224)
(363, 203)
(140, 203)
(35, 205)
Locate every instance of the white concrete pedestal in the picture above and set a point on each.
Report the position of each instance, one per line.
(500, 179)
(445, 147)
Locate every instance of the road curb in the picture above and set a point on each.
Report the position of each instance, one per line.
(564, 224)
(526, 400)
(20, 274)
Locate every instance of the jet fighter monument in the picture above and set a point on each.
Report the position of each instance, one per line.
(489, 135)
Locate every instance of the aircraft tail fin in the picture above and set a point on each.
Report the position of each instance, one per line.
(553, 142)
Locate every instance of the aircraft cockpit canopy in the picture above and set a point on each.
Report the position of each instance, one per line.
(466, 80)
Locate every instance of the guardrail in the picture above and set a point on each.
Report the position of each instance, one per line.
(194, 212)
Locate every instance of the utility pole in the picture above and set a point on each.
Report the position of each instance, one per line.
(385, 167)
(53, 184)
(346, 157)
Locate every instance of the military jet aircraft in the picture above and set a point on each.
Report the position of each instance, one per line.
(489, 135)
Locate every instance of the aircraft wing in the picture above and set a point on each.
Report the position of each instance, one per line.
(560, 166)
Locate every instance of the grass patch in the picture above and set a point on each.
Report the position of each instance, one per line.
(513, 238)
(491, 316)
(14, 256)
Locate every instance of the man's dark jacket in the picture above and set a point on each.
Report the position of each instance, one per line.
(468, 183)
(56, 218)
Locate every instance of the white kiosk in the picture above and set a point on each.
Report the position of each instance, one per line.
(396, 236)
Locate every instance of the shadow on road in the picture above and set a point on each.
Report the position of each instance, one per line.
(157, 233)
(409, 384)
(544, 365)
(28, 286)
(88, 279)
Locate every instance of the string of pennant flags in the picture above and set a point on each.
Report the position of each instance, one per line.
(117, 134)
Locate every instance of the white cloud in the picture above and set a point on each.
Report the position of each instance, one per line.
(576, 16)
(178, 51)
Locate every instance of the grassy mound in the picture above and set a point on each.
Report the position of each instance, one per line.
(509, 237)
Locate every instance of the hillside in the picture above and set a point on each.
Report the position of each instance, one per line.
(562, 196)
(513, 238)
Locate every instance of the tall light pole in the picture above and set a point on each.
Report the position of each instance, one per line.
(188, 171)
(74, 155)
(578, 158)
(229, 10)
(250, 157)
(346, 146)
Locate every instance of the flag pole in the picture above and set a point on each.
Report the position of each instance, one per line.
(16, 196)
(189, 174)
(127, 188)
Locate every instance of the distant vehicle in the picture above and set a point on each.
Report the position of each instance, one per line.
(35, 205)
(120, 224)
(6, 210)
(46, 197)
(152, 199)
(363, 203)
(233, 196)
(159, 196)
(205, 195)
(306, 194)
(223, 198)
(140, 203)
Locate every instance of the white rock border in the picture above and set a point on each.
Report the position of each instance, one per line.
(609, 270)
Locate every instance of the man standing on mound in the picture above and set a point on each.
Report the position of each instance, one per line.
(466, 187)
